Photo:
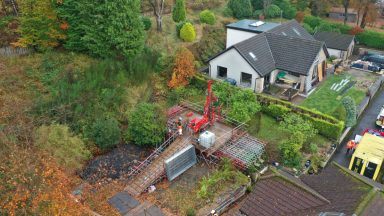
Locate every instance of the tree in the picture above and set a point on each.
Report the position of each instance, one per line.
(243, 105)
(240, 8)
(301, 5)
(273, 11)
(179, 13)
(68, 150)
(368, 7)
(39, 25)
(350, 108)
(294, 123)
(106, 28)
(257, 4)
(187, 32)
(105, 132)
(158, 9)
(146, 126)
(346, 6)
(184, 68)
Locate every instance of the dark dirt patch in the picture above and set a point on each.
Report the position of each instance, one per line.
(115, 164)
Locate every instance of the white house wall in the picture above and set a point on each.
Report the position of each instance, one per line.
(319, 60)
(334, 52)
(235, 64)
(235, 36)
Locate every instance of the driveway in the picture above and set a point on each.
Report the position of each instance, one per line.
(367, 120)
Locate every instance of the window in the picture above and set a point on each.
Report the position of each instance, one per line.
(296, 31)
(246, 79)
(253, 56)
(315, 73)
(221, 72)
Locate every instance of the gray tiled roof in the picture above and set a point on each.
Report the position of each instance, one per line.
(244, 25)
(335, 40)
(264, 62)
(292, 29)
(293, 54)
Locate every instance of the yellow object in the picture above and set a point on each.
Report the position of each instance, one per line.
(368, 157)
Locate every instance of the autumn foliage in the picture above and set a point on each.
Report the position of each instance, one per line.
(184, 68)
(356, 30)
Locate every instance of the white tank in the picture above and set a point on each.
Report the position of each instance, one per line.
(207, 139)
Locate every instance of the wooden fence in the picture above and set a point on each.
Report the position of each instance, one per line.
(11, 51)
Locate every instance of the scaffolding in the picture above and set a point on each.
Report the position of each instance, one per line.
(243, 152)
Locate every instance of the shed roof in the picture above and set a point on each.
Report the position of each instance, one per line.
(276, 196)
(245, 25)
(335, 40)
(371, 148)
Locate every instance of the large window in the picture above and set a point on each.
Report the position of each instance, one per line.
(246, 79)
(221, 72)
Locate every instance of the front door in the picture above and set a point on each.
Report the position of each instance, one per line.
(370, 170)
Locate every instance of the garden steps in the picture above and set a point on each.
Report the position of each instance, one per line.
(156, 169)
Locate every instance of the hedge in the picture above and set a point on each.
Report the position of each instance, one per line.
(325, 124)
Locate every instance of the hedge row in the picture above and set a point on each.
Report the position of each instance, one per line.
(326, 125)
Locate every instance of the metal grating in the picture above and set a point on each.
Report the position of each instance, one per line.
(180, 162)
(244, 151)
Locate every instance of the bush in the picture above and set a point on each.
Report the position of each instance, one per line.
(257, 14)
(240, 8)
(276, 110)
(312, 21)
(67, 149)
(146, 126)
(371, 39)
(228, 12)
(211, 43)
(147, 22)
(327, 27)
(180, 25)
(289, 11)
(105, 132)
(208, 17)
(290, 150)
(300, 16)
(187, 32)
(183, 68)
(179, 13)
(313, 148)
(273, 11)
(356, 30)
(350, 108)
(190, 212)
(294, 123)
(308, 28)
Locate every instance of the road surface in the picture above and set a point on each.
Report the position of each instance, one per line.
(367, 120)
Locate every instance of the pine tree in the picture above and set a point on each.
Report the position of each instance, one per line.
(179, 13)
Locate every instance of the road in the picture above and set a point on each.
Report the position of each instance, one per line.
(367, 120)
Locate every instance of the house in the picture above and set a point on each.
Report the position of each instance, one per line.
(338, 13)
(285, 55)
(332, 192)
(338, 45)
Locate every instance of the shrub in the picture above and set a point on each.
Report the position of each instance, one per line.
(187, 32)
(290, 150)
(356, 30)
(184, 68)
(147, 22)
(208, 17)
(105, 132)
(289, 11)
(312, 21)
(371, 39)
(190, 212)
(257, 14)
(350, 108)
(327, 27)
(146, 126)
(228, 12)
(240, 8)
(276, 110)
(180, 25)
(308, 28)
(179, 13)
(211, 43)
(313, 148)
(294, 123)
(273, 11)
(67, 149)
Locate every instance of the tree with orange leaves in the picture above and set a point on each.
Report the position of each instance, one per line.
(184, 68)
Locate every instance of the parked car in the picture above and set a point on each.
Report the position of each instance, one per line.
(366, 65)
(377, 60)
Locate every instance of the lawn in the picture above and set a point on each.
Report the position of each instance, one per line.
(328, 101)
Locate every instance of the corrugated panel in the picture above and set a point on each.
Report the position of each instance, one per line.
(180, 162)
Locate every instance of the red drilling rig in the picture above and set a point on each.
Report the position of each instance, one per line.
(211, 112)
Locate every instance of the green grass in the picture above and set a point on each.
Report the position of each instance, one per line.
(328, 101)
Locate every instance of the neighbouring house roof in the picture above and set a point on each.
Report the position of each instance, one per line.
(343, 191)
(292, 29)
(246, 25)
(335, 40)
(276, 196)
(341, 10)
(281, 48)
